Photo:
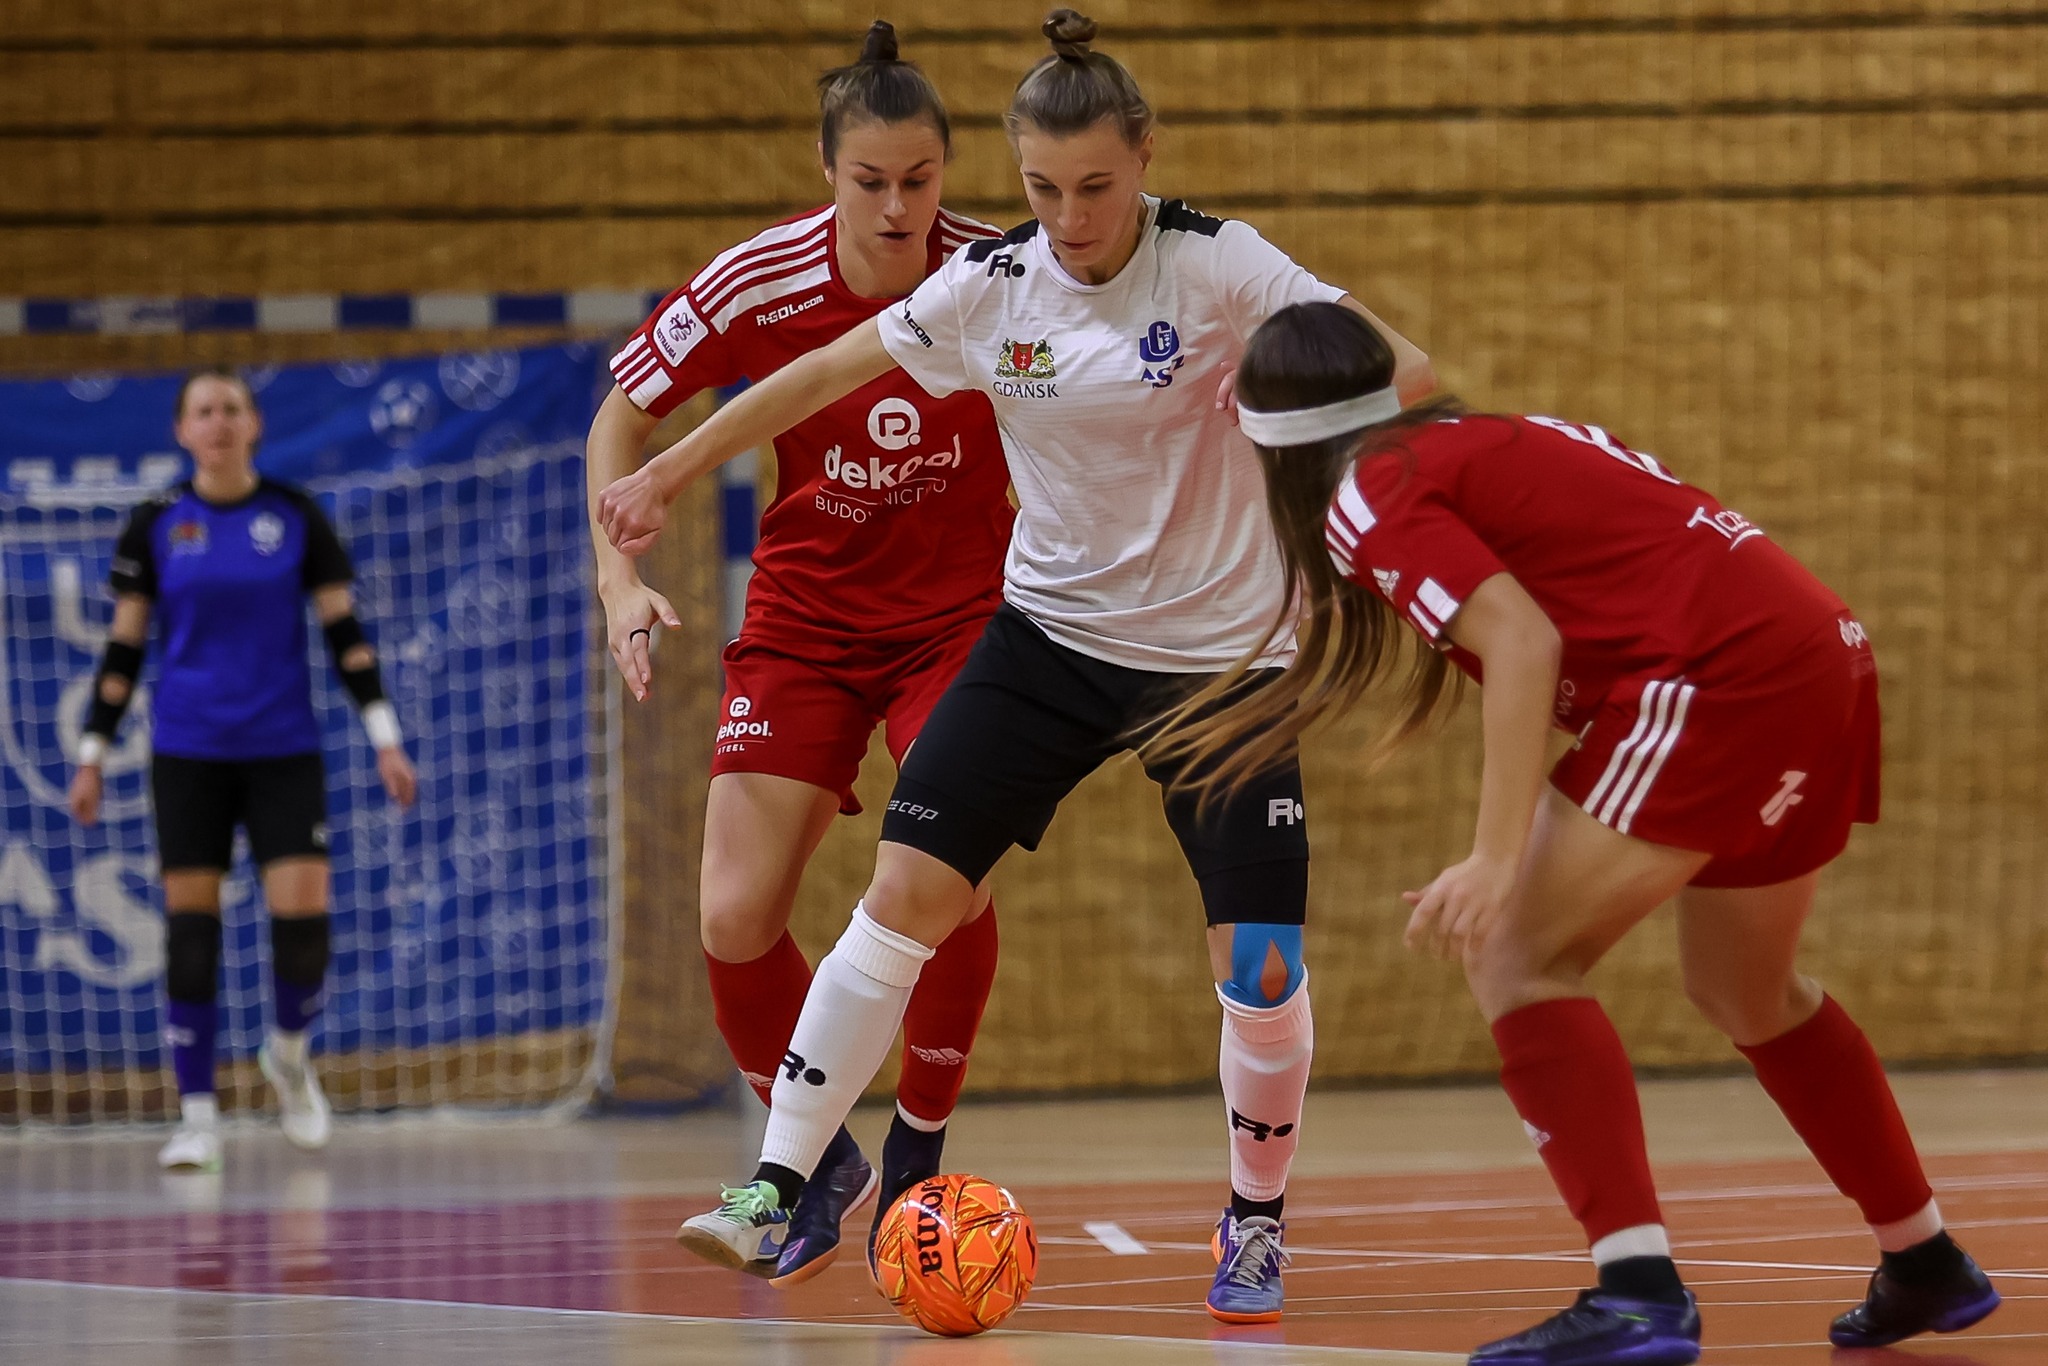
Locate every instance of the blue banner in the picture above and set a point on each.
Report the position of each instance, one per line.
(456, 482)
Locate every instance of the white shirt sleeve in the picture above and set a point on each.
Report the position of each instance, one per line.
(924, 334)
(1255, 279)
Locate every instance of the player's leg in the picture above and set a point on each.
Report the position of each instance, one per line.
(1738, 947)
(760, 831)
(946, 1005)
(1009, 739)
(285, 813)
(789, 746)
(1581, 887)
(1248, 851)
(195, 821)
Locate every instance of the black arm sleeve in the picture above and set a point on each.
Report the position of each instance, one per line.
(326, 562)
(122, 661)
(134, 568)
(365, 684)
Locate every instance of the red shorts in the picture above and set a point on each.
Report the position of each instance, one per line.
(1766, 771)
(809, 717)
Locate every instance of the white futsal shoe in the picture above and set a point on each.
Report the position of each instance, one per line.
(286, 1063)
(195, 1146)
(744, 1233)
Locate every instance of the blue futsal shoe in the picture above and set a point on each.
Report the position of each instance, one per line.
(843, 1183)
(1249, 1256)
(1893, 1310)
(1604, 1330)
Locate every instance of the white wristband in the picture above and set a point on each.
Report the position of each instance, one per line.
(92, 750)
(380, 719)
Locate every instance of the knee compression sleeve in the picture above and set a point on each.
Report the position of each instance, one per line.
(299, 948)
(1265, 965)
(298, 969)
(192, 956)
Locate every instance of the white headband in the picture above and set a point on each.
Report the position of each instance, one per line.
(1300, 426)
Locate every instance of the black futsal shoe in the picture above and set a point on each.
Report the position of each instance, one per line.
(842, 1184)
(1604, 1330)
(909, 1155)
(1895, 1310)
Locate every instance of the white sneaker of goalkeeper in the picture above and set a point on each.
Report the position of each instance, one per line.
(287, 1064)
(195, 1146)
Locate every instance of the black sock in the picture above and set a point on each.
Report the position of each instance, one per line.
(1243, 1207)
(839, 1149)
(789, 1187)
(1927, 1262)
(912, 1152)
(1643, 1278)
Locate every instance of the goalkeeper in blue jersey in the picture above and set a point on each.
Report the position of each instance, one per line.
(225, 563)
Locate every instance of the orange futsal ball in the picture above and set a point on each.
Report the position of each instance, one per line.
(956, 1255)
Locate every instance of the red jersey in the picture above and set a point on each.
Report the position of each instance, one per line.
(1642, 574)
(891, 515)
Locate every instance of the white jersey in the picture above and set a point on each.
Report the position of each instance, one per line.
(1142, 537)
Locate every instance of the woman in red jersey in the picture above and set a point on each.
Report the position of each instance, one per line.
(1723, 708)
(879, 560)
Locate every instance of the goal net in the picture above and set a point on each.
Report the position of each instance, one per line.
(474, 948)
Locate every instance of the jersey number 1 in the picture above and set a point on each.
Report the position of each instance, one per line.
(1594, 436)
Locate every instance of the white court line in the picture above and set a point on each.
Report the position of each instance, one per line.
(1234, 1349)
(1399, 1256)
(1113, 1237)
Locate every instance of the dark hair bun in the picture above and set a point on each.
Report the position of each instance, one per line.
(880, 45)
(1069, 32)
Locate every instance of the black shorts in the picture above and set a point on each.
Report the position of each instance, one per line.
(1026, 719)
(282, 803)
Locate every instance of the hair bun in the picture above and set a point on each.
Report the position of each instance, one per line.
(1069, 32)
(880, 44)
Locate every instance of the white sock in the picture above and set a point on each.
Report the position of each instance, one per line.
(200, 1110)
(923, 1126)
(1264, 1066)
(1644, 1240)
(290, 1049)
(850, 1018)
(1914, 1228)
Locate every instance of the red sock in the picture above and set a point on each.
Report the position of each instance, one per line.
(756, 1005)
(1563, 1066)
(944, 1014)
(1826, 1077)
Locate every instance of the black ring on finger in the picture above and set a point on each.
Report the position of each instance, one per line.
(640, 631)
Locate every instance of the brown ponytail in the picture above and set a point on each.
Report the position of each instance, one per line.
(879, 85)
(1076, 87)
(1304, 356)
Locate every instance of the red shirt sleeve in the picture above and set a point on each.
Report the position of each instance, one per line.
(1397, 534)
(673, 356)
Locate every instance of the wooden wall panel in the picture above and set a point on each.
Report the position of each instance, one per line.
(621, 84)
(1219, 164)
(393, 21)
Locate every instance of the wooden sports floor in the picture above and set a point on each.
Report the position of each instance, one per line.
(1420, 1225)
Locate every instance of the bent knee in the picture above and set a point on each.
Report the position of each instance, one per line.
(738, 924)
(915, 894)
(1752, 1012)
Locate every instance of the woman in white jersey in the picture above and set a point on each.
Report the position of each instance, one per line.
(1141, 565)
